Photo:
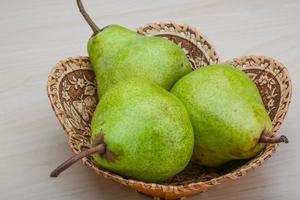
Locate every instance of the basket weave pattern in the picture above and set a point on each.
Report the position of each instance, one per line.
(72, 93)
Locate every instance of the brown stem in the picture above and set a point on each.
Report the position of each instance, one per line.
(273, 140)
(87, 18)
(100, 148)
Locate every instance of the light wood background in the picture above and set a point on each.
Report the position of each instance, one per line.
(35, 34)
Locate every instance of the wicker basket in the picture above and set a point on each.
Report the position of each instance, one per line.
(72, 93)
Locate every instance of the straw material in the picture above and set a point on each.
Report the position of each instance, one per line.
(72, 93)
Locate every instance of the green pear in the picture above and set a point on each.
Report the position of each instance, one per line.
(227, 113)
(118, 54)
(140, 131)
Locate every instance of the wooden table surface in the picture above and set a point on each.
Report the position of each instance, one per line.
(35, 34)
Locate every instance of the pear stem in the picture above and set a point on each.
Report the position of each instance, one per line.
(273, 140)
(87, 18)
(65, 165)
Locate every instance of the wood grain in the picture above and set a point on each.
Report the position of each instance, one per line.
(36, 34)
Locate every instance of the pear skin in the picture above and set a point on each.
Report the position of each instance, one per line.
(119, 54)
(146, 131)
(227, 114)
(153, 59)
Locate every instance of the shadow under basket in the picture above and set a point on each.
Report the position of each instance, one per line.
(72, 93)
